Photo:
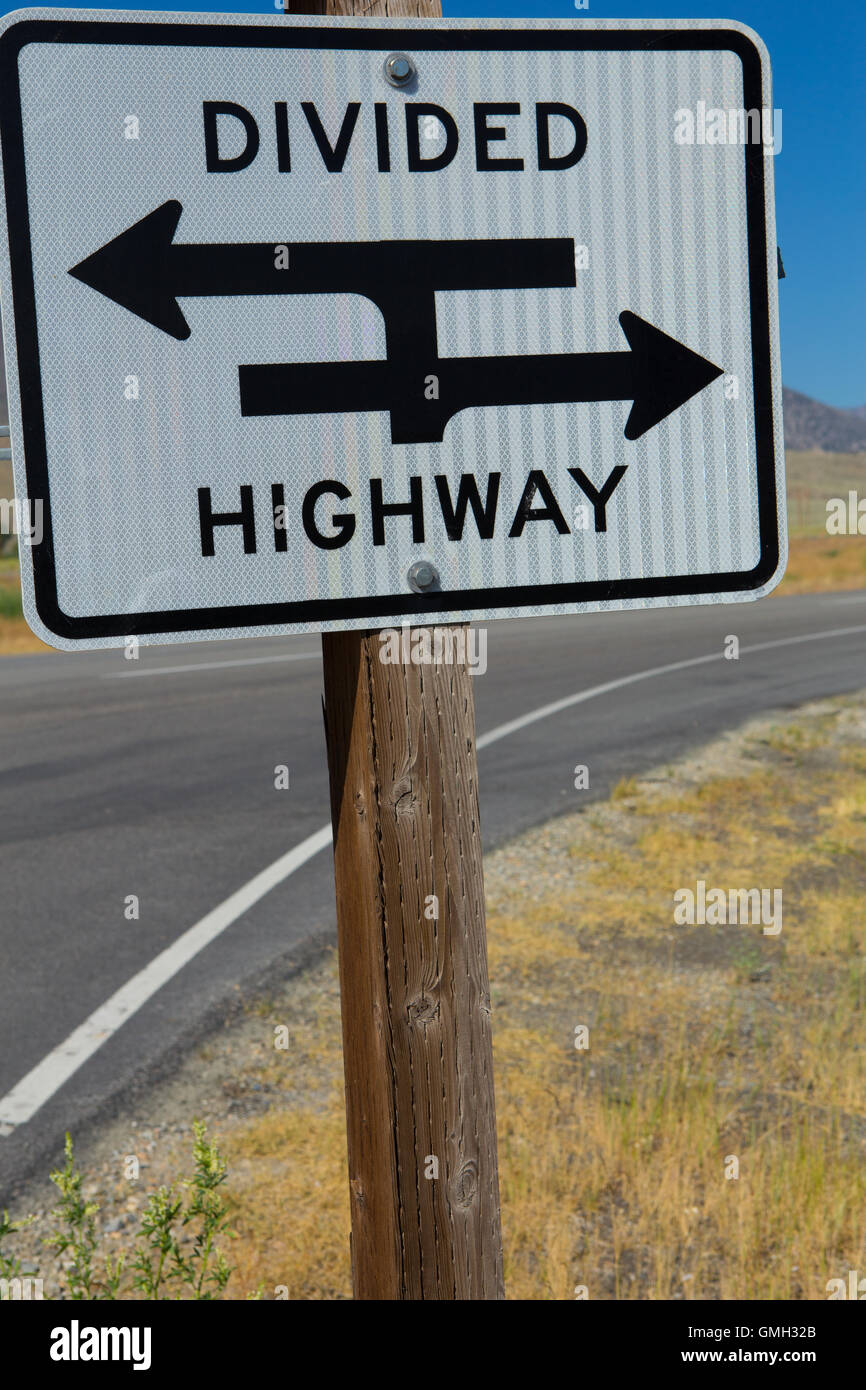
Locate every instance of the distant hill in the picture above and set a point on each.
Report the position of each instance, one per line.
(808, 423)
(811, 425)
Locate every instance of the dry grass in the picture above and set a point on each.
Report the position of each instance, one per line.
(818, 563)
(289, 1175)
(824, 564)
(811, 478)
(16, 639)
(705, 1043)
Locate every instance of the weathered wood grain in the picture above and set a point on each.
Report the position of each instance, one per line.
(416, 999)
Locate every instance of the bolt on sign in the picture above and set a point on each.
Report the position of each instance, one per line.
(315, 325)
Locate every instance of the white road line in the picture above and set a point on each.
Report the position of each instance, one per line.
(545, 711)
(210, 665)
(33, 1090)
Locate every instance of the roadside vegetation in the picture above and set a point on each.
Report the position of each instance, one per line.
(707, 1141)
(175, 1253)
(16, 639)
(817, 562)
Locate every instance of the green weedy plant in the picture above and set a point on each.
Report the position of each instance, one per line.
(160, 1263)
(157, 1257)
(78, 1228)
(160, 1269)
(10, 1265)
(208, 1204)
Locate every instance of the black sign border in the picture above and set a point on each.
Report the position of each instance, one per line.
(454, 602)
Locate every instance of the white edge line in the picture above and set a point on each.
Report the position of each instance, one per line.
(545, 711)
(47, 1076)
(209, 665)
(33, 1090)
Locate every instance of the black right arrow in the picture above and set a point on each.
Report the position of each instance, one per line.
(657, 375)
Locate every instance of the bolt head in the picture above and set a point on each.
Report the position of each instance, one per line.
(422, 576)
(399, 69)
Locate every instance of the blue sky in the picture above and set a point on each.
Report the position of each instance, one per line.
(818, 54)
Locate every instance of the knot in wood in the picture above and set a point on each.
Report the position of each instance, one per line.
(402, 797)
(423, 1009)
(465, 1184)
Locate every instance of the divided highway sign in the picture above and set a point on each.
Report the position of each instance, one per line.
(315, 325)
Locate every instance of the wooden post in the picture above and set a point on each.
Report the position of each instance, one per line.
(413, 975)
(423, 1180)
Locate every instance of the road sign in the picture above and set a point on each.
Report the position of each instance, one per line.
(293, 305)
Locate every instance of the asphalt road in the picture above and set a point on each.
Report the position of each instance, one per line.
(121, 778)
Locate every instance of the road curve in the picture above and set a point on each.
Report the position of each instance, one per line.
(156, 779)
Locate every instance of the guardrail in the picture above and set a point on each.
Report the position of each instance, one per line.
(4, 434)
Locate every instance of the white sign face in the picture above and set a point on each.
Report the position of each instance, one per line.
(316, 324)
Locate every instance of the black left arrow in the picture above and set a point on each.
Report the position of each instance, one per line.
(146, 271)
